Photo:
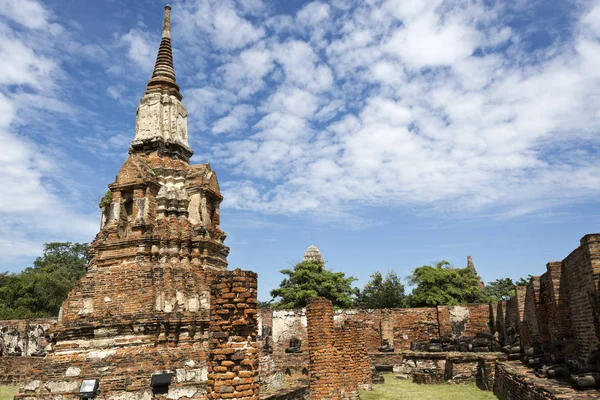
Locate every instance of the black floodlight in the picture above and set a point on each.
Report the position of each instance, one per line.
(160, 383)
(88, 388)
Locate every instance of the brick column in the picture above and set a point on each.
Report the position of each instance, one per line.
(345, 370)
(360, 355)
(233, 349)
(324, 380)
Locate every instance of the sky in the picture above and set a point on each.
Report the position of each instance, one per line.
(391, 134)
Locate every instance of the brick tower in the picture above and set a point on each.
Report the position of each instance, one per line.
(144, 305)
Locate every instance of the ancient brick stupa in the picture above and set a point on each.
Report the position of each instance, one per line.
(143, 306)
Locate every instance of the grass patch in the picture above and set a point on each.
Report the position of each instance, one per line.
(8, 392)
(399, 389)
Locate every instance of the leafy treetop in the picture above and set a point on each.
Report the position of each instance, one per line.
(442, 284)
(309, 279)
(381, 292)
(39, 291)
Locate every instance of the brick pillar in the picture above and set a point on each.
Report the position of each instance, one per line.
(233, 349)
(324, 380)
(520, 306)
(360, 355)
(501, 321)
(347, 371)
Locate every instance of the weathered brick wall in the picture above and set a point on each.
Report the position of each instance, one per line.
(414, 325)
(549, 292)
(581, 269)
(451, 366)
(125, 353)
(444, 321)
(25, 337)
(19, 370)
(325, 360)
(233, 349)
(23, 346)
(286, 325)
(559, 310)
(479, 319)
(515, 308)
(513, 381)
(370, 321)
(283, 325)
(500, 320)
(291, 393)
(530, 328)
(401, 326)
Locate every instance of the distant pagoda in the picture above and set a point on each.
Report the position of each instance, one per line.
(312, 254)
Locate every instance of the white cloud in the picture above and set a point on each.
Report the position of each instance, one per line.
(419, 118)
(140, 49)
(231, 31)
(29, 13)
(32, 209)
(221, 20)
(430, 41)
(21, 65)
(302, 66)
(313, 13)
(235, 120)
(246, 71)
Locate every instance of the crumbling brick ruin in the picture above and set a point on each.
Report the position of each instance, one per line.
(338, 364)
(158, 299)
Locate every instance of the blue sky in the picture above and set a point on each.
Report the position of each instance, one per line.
(391, 134)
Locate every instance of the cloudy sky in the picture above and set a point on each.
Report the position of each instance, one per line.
(389, 133)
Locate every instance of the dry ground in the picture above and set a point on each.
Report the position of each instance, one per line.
(396, 389)
(7, 392)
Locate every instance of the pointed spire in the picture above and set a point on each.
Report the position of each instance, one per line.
(163, 76)
(471, 266)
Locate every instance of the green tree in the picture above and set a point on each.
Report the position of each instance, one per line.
(522, 281)
(442, 284)
(381, 292)
(39, 291)
(310, 279)
(500, 289)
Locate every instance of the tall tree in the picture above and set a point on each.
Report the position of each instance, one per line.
(500, 289)
(522, 281)
(39, 291)
(442, 284)
(381, 292)
(310, 279)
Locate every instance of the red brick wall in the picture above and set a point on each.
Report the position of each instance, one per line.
(444, 321)
(530, 332)
(414, 325)
(479, 319)
(19, 370)
(582, 272)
